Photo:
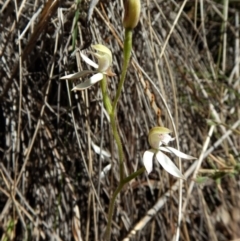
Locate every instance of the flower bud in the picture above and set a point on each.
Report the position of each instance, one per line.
(158, 135)
(132, 13)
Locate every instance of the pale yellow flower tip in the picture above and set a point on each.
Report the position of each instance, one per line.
(103, 50)
(104, 56)
(158, 135)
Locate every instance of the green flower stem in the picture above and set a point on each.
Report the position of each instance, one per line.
(106, 99)
(111, 109)
(119, 144)
(113, 199)
(110, 212)
(108, 106)
(126, 57)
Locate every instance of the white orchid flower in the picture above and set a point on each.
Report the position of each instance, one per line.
(104, 57)
(156, 138)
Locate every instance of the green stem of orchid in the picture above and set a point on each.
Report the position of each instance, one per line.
(113, 199)
(106, 99)
(126, 55)
(110, 111)
(119, 144)
(110, 212)
(108, 106)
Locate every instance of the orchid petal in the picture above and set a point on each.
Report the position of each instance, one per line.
(176, 152)
(97, 77)
(168, 165)
(88, 61)
(105, 171)
(88, 83)
(99, 151)
(148, 160)
(78, 74)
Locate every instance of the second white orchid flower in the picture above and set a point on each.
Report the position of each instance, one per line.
(156, 137)
(103, 67)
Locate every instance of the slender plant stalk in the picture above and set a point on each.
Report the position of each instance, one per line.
(106, 100)
(111, 109)
(119, 144)
(110, 212)
(108, 106)
(113, 199)
(126, 55)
